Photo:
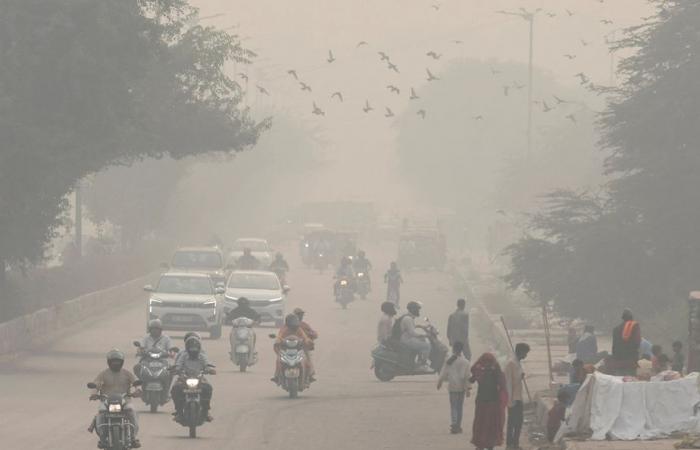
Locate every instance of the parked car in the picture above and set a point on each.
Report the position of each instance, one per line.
(206, 260)
(258, 248)
(266, 295)
(186, 301)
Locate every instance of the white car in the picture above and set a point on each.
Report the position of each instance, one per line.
(263, 290)
(186, 301)
(258, 248)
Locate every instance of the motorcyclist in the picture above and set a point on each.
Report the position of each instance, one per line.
(362, 264)
(292, 327)
(393, 280)
(411, 338)
(154, 340)
(115, 380)
(243, 309)
(247, 261)
(346, 271)
(191, 364)
(280, 267)
(312, 335)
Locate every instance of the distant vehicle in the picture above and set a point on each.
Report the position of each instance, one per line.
(265, 293)
(206, 260)
(187, 302)
(258, 247)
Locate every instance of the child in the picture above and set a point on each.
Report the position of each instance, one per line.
(557, 415)
(456, 373)
(678, 360)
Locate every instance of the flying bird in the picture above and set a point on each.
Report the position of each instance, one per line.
(545, 107)
(479, 117)
(361, 43)
(584, 43)
(331, 58)
(569, 56)
(551, 14)
(436, 7)
(559, 100)
(433, 55)
(393, 67)
(262, 90)
(457, 41)
(318, 111)
(431, 77)
(421, 113)
(569, 13)
(304, 86)
(389, 112)
(517, 85)
(582, 76)
(506, 90)
(293, 73)
(383, 56)
(571, 117)
(243, 76)
(394, 89)
(367, 108)
(413, 96)
(337, 94)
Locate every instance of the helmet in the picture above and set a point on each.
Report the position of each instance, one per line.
(361, 254)
(115, 354)
(413, 308)
(394, 265)
(192, 343)
(298, 311)
(243, 302)
(190, 334)
(155, 323)
(292, 321)
(389, 308)
(279, 255)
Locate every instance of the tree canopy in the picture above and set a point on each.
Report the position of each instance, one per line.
(85, 84)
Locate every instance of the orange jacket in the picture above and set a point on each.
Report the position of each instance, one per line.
(286, 332)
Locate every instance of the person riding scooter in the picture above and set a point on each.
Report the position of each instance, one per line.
(243, 309)
(247, 261)
(192, 363)
(292, 327)
(412, 339)
(362, 264)
(114, 380)
(345, 271)
(154, 340)
(312, 335)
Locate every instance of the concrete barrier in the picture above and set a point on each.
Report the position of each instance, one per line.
(24, 332)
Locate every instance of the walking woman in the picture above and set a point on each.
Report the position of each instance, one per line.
(491, 401)
(456, 373)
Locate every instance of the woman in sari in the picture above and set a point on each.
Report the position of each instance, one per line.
(491, 401)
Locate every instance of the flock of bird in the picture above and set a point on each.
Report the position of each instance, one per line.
(430, 77)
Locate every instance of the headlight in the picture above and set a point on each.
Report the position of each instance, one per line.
(306, 245)
(360, 275)
(275, 300)
(210, 303)
(343, 282)
(115, 408)
(192, 383)
(154, 355)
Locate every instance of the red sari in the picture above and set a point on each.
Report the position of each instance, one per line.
(491, 402)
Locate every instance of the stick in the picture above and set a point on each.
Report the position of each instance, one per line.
(512, 349)
(547, 336)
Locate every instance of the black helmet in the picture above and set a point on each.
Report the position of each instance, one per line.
(115, 355)
(193, 343)
(389, 308)
(243, 302)
(189, 334)
(413, 308)
(292, 321)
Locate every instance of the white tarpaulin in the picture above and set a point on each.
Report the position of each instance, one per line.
(606, 406)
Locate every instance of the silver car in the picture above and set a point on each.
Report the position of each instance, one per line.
(258, 248)
(187, 302)
(263, 290)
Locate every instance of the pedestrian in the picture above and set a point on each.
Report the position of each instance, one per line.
(627, 338)
(678, 360)
(587, 346)
(458, 327)
(456, 373)
(491, 401)
(514, 383)
(556, 415)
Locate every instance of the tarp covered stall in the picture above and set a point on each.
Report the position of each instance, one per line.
(606, 405)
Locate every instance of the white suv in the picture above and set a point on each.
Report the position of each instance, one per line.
(187, 302)
(263, 290)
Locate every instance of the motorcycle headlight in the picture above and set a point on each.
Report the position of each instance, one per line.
(343, 282)
(360, 275)
(154, 355)
(115, 408)
(192, 383)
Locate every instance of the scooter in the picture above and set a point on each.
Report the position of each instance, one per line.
(116, 432)
(394, 359)
(292, 377)
(344, 292)
(363, 285)
(153, 371)
(242, 339)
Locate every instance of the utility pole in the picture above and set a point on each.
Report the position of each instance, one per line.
(529, 16)
(78, 219)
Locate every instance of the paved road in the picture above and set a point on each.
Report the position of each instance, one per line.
(45, 403)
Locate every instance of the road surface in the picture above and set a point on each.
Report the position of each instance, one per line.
(45, 403)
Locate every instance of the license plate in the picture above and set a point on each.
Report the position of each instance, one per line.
(181, 319)
(154, 387)
(291, 373)
(155, 364)
(242, 349)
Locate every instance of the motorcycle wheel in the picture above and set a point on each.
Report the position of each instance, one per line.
(243, 365)
(193, 418)
(293, 390)
(383, 372)
(117, 438)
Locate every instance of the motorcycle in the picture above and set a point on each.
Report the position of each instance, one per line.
(363, 285)
(344, 292)
(292, 377)
(116, 432)
(394, 359)
(153, 371)
(192, 416)
(242, 341)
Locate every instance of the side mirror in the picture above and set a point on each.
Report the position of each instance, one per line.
(148, 288)
(137, 383)
(272, 336)
(164, 265)
(137, 344)
(286, 289)
(91, 385)
(220, 290)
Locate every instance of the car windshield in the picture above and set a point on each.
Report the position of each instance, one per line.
(256, 246)
(266, 281)
(194, 259)
(185, 285)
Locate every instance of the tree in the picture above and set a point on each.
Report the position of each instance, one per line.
(85, 84)
(642, 248)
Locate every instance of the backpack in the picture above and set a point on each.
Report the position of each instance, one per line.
(396, 329)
